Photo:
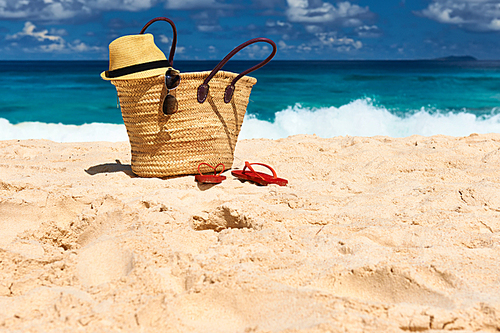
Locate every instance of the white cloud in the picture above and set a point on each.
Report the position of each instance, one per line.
(41, 36)
(130, 5)
(57, 10)
(323, 41)
(494, 24)
(368, 31)
(31, 40)
(442, 13)
(283, 24)
(42, 9)
(80, 47)
(282, 45)
(190, 4)
(209, 28)
(323, 22)
(345, 44)
(255, 51)
(298, 3)
(164, 39)
(313, 29)
(50, 48)
(278, 23)
(476, 15)
(314, 12)
(59, 32)
(304, 48)
(353, 22)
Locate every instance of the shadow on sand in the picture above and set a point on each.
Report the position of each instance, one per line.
(111, 167)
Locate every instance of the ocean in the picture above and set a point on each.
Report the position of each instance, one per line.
(67, 101)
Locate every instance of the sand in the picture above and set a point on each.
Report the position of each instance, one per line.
(371, 235)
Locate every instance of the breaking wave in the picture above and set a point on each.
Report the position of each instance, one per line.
(358, 118)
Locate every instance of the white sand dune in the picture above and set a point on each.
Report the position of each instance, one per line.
(371, 234)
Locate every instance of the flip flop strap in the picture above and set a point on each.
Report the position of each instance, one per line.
(249, 165)
(215, 169)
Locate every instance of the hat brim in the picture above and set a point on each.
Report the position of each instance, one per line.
(137, 75)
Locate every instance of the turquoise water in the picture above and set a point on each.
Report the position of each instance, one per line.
(73, 93)
(402, 87)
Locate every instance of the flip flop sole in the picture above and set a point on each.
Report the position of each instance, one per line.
(209, 179)
(265, 180)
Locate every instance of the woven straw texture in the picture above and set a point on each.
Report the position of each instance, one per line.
(176, 144)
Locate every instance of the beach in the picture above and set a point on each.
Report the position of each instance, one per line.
(371, 234)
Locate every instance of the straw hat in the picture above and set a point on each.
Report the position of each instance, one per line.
(133, 50)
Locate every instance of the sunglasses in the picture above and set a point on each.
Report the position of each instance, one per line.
(172, 80)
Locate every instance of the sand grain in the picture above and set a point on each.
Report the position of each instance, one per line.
(372, 234)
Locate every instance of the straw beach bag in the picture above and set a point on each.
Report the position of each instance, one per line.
(175, 121)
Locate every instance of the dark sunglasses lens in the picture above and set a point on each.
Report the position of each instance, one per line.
(169, 105)
(172, 78)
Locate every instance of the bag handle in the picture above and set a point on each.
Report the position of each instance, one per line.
(174, 39)
(204, 87)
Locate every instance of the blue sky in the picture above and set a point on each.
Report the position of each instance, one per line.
(208, 29)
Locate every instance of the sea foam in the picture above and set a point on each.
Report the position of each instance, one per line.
(362, 118)
(61, 132)
(358, 118)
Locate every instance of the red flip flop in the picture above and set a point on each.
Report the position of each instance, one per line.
(216, 178)
(259, 177)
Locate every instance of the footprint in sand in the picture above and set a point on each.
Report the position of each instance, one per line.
(102, 262)
(240, 310)
(223, 217)
(18, 215)
(388, 285)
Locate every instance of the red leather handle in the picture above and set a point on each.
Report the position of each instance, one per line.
(174, 39)
(203, 88)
